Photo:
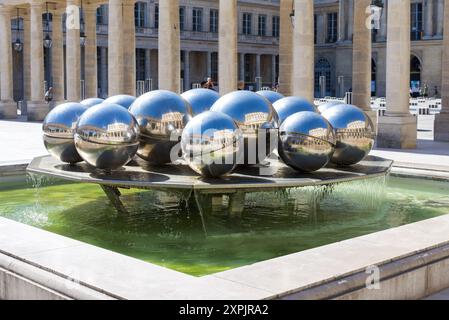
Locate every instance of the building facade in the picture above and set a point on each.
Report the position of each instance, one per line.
(259, 30)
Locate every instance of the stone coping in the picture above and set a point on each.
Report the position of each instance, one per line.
(82, 271)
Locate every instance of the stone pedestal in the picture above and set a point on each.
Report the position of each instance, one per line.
(8, 110)
(397, 132)
(37, 111)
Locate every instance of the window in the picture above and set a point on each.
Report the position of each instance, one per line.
(214, 20)
(197, 19)
(156, 17)
(262, 30)
(416, 21)
(322, 69)
(332, 27)
(100, 15)
(275, 26)
(140, 10)
(315, 29)
(247, 21)
(214, 65)
(182, 18)
(140, 64)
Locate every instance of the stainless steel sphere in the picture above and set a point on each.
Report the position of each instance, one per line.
(200, 100)
(161, 116)
(306, 141)
(291, 105)
(59, 128)
(254, 116)
(106, 136)
(92, 102)
(122, 100)
(330, 104)
(354, 132)
(212, 144)
(272, 96)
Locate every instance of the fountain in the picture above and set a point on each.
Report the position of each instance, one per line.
(346, 131)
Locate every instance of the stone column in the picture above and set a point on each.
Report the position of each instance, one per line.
(258, 57)
(73, 52)
(8, 108)
(398, 128)
(115, 49)
(129, 30)
(169, 46)
(303, 51)
(57, 55)
(228, 60)
(104, 71)
(26, 59)
(442, 120)
(383, 22)
(90, 51)
(341, 20)
(209, 64)
(187, 85)
(361, 59)
(37, 108)
(285, 48)
(441, 7)
(147, 64)
(242, 67)
(428, 27)
(350, 19)
(273, 70)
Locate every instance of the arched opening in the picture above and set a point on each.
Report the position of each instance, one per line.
(373, 78)
(322, 78)
(415, 76)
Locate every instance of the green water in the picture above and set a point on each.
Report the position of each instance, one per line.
(273, 224)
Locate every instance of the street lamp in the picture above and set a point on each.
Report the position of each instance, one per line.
(18, 45)
(47, 40)
(83, 36)
(292, 14)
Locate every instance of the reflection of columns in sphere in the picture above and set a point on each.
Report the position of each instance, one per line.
(58, 129)
(212, 144)
(106, 136)
(354, 132)
(306, 141)
(254, 116)
(161, 116)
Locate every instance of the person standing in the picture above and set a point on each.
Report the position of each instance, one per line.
(49, 95)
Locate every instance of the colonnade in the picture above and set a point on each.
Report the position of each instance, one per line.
(397, 129)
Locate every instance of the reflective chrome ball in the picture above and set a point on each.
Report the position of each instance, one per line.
(212, 144)
(354, 132)
(291, 105)
(59, 128)
(306, 141)
(122, 100)
(161, 116)
(92, 102)
(255, 117)
(200, 99)
(272, 96)
(106, 136)
(330, 104)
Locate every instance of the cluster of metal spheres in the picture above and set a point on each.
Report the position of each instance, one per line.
(212, 134)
